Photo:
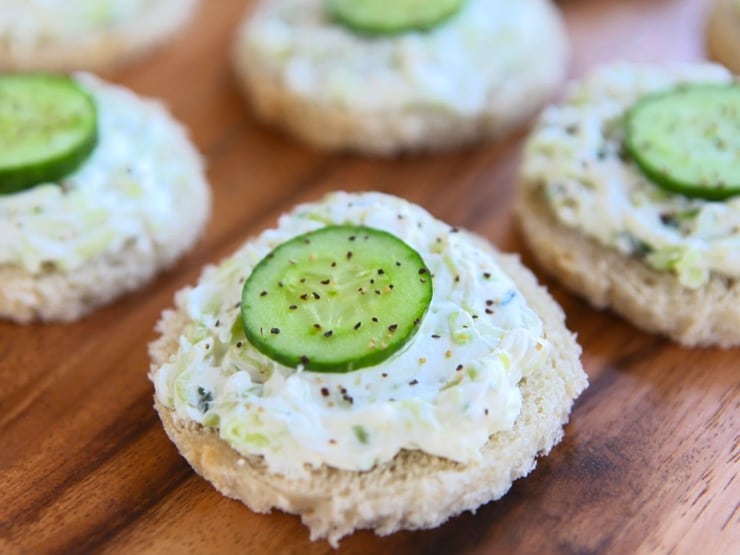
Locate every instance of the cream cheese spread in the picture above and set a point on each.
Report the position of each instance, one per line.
(575, 155)
(479, 54)
(134, 187)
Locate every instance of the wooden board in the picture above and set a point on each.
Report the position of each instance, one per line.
(649, 460)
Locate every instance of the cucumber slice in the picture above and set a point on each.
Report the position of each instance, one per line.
(688, 140)
(48, 127)
(336, 299)
(388, 17)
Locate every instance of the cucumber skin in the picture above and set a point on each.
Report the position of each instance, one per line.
(19, 178)
(370, 30)
(349, 364)
(14, 180)
(667, 181)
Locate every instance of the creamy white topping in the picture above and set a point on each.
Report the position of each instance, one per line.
(452, 386)
(575, 155)
(128, 190)
(458, 66)
(24, 23)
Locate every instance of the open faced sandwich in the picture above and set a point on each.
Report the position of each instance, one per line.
(66, 35)
(389, 76)
(365, 365)
(630, 195)
(99, 190)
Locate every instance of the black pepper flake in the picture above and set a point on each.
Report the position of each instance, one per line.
(328, 333)
(457, 279)
(384, 374)
(325, 282)
(304, 296)
(487, 275)
(489, 311)
(325, 391)
(393, 327)
(417, 322)
(208, 346)
(316, 295)
(352, 237)
(304, 360)
(303, 280)
(374, 318)
(398, 264)
(381, 271)
(459, 367)
(474, 316)
(333, 264)
(280, 283)
(422, 271)
(238, 344)
(218, 323)
(390, 286)
(348, 398)
(357, 325)
(377, 292)
(489, 302)
(349, 255)
(372, 281)
(435, 336)
(413, 382)
(263, 293)
(275, 331)
(454, 230)
(317, 326)
(486, 412)
(238, 305)
(292, 307)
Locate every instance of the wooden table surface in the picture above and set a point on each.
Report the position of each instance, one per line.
(649, 460)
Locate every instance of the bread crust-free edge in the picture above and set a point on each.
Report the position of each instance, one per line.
(653, 301)
(414, 490)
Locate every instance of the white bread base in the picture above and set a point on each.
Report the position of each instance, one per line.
(107, 47)
(653, 301)
(723, 34)
(414, 490)
(323, 124)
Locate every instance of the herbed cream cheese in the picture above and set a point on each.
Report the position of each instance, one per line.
(575, 155)
(445, 392)
(456, 67)
(25, 23)
(130, 189)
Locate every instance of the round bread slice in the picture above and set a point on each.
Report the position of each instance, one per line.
(723, 33)
(417, 91)
(653, 301)
(414, 490)
(65, 35)
(135, 206)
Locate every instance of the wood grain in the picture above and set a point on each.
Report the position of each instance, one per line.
(649, 461)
